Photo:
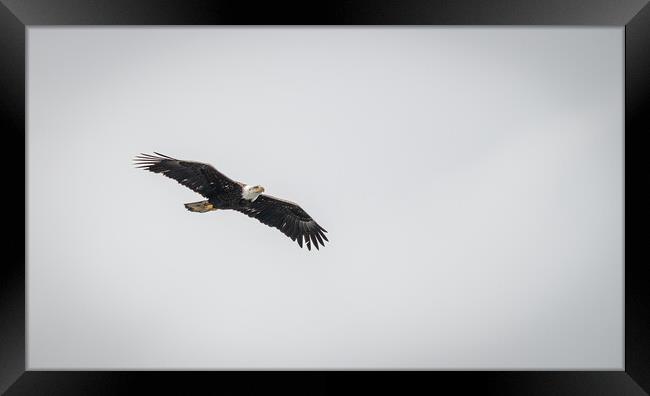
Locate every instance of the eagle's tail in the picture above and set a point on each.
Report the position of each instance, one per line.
(201, 206)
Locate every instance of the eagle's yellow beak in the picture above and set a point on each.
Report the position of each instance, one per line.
(259, 189)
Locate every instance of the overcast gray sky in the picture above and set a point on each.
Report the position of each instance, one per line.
(470, 180)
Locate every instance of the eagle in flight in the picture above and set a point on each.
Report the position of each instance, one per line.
(224, 193)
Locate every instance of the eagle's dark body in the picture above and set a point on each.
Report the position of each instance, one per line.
(224, 193)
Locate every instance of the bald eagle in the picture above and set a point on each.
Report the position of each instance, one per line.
(224, 193)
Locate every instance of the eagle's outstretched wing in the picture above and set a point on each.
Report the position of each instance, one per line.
(287, 217)
(200, 177)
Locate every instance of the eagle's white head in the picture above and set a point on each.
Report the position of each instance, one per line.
(251, 192)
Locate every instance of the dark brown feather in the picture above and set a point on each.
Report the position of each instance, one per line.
(287, 217)
(199, 177)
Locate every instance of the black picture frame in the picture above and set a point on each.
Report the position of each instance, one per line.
(634, 15)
